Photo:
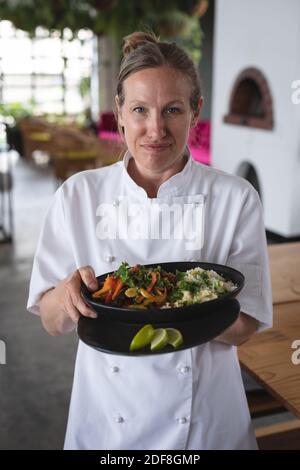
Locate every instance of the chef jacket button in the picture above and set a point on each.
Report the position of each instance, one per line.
(182, 420)
(116, 202)
(115, 369)
(109, 258)
(184, 370)
(119, 419)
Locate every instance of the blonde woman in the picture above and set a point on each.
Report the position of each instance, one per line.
(189, 399)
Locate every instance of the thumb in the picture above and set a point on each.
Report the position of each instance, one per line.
(87, 274)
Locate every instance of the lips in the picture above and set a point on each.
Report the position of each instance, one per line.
(156, 146)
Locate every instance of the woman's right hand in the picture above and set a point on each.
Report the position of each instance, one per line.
(62, 306)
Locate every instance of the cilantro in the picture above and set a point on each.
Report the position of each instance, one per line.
(122, 271)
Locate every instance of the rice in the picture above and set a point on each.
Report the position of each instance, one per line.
(205, 285)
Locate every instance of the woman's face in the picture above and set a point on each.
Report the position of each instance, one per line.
(157, 117)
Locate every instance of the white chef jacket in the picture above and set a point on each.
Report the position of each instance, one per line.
(190, 399)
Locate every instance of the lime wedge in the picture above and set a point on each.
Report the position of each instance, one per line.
(159, 340)
(174, 337)
(142, 338)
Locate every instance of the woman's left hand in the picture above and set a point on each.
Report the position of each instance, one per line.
(240, 331)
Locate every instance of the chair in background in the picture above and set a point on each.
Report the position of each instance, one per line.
(73, 151)
(111, 146)
(36, 135)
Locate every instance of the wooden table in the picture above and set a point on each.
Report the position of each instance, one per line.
(285, 272)
(267, 357)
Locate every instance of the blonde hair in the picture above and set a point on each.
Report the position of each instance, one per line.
(144, 50)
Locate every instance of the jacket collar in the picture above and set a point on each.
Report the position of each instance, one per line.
(173, 186)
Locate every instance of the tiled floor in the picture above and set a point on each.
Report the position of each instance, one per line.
(35, 383)
(36, 380)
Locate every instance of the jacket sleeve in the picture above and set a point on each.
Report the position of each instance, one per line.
(249, 255)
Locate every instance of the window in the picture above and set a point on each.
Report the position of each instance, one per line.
(45, 70)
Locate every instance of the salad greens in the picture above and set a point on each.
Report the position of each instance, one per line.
(142, 286)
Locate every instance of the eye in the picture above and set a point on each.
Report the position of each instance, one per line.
(139, 109)
(172, 110)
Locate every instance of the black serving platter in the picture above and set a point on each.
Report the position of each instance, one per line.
(113, 330)
(114, 337)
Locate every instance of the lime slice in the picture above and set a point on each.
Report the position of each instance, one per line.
(142, 338)
(159, 340)
(174, 337)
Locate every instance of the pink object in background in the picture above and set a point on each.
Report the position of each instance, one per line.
(199, 142)
(110, 135)
(108, 122)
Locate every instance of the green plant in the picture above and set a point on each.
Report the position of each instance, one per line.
(191, 39)
(84, 87)
(16, 111)
(111, 17)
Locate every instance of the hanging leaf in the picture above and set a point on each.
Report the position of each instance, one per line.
(116, 18)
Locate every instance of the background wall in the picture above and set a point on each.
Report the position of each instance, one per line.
(264, 35)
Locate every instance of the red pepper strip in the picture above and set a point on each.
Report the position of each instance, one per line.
(119, 285)
(108, 297)
(108, 284)
(108, 289)
(109, 294)
(153, 281)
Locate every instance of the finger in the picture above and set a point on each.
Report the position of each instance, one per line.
(72, 311)
(81, 306)
(87, 275)
(84, 309)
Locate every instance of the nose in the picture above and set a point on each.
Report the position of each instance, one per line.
(156, 127)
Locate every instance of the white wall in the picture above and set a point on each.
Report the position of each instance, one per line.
(266, 35)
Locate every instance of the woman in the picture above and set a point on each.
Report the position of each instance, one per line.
(190, 399)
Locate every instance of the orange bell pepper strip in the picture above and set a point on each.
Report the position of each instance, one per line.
(146, 294)
(107, 286)
(118, 287)
(139, 299)
(153, 281)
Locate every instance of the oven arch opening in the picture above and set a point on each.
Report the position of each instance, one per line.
(251, 103)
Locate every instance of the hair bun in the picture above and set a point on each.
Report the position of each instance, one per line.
(134, 40)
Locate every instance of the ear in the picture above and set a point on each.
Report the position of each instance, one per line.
(119, 110)
(196, 114)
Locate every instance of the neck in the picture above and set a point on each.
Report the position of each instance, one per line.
(151, 182)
